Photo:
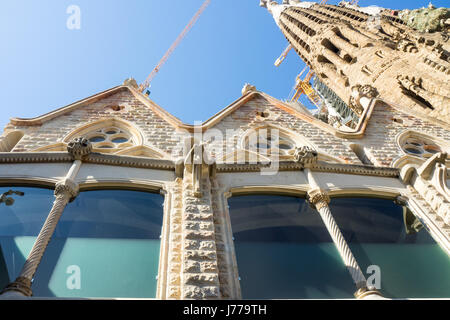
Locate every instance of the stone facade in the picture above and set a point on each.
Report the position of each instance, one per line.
(349, 48)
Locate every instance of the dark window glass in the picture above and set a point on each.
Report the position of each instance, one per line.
(106, 244)
(23, 211)
(412, 265)
(283, 250)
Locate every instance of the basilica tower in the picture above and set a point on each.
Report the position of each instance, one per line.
(371, 52)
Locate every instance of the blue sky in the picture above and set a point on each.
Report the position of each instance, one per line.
(45, 66)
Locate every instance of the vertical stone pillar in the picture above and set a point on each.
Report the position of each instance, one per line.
(173, 290)
(200, 274)
(65, 191)
(320, 200)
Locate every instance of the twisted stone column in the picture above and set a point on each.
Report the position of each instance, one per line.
(65, 191)
(320, 200)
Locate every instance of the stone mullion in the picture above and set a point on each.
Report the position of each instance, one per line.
(200, 275)
(221, 242)
(175, 242)
(65, 191)
(320, 200)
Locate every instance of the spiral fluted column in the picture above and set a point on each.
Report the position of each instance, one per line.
(320, 200)
(65, 191)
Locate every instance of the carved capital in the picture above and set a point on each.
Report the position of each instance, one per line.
(318, 198)
(79, 148)
(306, 156)
(67, 187)
(21, 285)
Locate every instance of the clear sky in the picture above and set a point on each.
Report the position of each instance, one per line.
(45, 66)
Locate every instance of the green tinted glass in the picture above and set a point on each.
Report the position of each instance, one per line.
(284, 251)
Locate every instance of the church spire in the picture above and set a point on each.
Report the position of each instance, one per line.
(359, 51)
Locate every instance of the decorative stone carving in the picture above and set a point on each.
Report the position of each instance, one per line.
(318, 198)
(358, 92)
(429, 181)
(131, 82)
(306, 156)
(79, 148)
(406, 45)
(67, 186)
(248, 88)
(370, 48)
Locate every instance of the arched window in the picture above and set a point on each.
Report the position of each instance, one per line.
(109, 136)
(283, 250)
(421, 145)
(23, 211)
(386, 237)
(106, 244)
(270, 140)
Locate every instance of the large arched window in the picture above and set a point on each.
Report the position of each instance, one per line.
(106, 244)
(383, 234)
(283, 250)
(23, 211)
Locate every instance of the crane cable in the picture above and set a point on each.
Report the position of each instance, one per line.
(146, 83)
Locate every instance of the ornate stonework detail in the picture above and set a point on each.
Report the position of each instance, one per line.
(358, 92)
(318, 198)
(429, 19)
(131, 82)
(345, 50)
(430, 181)
(79, 148)
(406, 45)
(67, 187)
(306, 156)
(248, 88)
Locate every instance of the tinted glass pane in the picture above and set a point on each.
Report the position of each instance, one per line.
(106, 245)
(283, 250)
(411, 265)
(20, 223)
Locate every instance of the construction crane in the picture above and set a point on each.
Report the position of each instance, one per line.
(303, 86)
(146, 84)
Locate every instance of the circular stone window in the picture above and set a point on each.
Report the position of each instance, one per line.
(420, 147)
(110, 138)
(280, 146)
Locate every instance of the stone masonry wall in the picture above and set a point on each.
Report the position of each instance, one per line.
(157, 132)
